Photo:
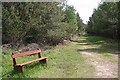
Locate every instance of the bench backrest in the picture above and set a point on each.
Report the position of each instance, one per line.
(25, 53)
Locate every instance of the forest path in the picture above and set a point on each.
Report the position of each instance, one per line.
(103, 59)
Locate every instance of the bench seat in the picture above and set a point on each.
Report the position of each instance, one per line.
(29, 62)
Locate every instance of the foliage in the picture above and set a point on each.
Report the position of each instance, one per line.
(118, 26)
(104, 20)
(37, 22)
(71, 19)
(81, 25)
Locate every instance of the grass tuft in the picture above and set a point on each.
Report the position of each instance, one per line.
(107, 54)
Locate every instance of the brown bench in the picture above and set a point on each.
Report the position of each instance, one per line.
(19, 67)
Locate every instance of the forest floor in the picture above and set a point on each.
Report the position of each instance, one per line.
(85, 57)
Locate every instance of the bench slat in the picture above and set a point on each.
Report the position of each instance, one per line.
(25, 53)
(31, 61)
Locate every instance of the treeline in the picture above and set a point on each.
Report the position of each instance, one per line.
(118, 33)
(43, 22)
(104, 21)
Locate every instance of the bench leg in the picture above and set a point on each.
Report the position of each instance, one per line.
(19, 68)
(43, 61)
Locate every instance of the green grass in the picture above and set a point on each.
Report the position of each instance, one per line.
(107, 47)
(107, 54)
(62, 62)
(9, 51)
(94, 39)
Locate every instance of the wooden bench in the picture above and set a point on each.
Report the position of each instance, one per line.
(19, 67)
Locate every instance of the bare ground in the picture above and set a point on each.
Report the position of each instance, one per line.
(105, 67)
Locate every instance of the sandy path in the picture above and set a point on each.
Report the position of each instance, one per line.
(104, 67)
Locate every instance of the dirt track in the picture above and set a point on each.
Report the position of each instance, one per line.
(105, 67)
